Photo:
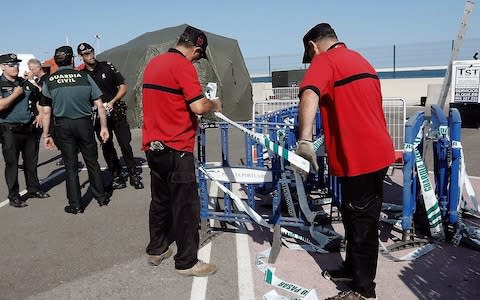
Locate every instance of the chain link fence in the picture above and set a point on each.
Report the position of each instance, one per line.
(383, 57)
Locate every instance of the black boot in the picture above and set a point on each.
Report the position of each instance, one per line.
(118, 183)
(73, 210)
(135, 179)
(16, 202)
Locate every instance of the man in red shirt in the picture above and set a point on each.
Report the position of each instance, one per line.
(172, 97)
(347, 89)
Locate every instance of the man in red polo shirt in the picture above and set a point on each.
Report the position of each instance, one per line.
(172, 97)
(347, 89)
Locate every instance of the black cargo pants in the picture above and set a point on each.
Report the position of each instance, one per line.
(175, 205)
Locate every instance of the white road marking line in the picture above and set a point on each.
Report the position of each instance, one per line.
(245, 279)
(51, 177)
(199, 285)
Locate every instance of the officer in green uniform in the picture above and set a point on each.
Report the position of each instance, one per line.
(18, 99)
(69, 95)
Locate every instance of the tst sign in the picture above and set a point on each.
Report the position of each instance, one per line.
(465, 81)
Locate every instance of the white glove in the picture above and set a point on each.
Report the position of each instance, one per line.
(305, 150)
(211, 91)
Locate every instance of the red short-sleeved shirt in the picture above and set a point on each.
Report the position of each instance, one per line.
(170, 84)
(356, 137)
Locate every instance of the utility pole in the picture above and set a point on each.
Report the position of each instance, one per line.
(97, 43)
(456, 49)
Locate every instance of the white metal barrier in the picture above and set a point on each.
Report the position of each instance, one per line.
(263, 107)
(283, 93)
(393, 108)
(395, 115)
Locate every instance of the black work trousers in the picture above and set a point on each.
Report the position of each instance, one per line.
(71, 136)
(120, 127)
(19, 138)
(175, 205)
(362, 198)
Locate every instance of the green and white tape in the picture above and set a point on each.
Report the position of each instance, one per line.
(430, 199)
(290, 156)
(272, 279)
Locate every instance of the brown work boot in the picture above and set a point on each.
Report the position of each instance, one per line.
(157, 259)
(350, 295)
(199, 269)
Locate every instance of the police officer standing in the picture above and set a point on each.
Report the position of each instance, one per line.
(70, 94)
(112, 84)
(18, 99)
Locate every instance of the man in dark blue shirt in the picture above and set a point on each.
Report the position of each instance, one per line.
(113, 87)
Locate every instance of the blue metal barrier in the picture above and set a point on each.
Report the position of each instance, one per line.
(446, 158)
(225, 210)
(413, 126)
(455, 125)
(441, 146)
(280, 126)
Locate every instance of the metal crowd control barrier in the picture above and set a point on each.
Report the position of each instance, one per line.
(454, 193)
(282, 93)
(289, 115)
(447, 160)
(249, 175)
(412, 129)
(262, 108)
(446, 136)
(393, 108)
(441, 146)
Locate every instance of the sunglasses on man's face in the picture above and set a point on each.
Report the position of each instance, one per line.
(12, 64)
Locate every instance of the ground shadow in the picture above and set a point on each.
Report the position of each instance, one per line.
(448, 272)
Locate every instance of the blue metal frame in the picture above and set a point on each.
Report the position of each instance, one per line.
(455, 126)
(270, 123)
(441, 147)
(412, 128)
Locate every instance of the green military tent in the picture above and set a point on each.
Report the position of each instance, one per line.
(225, 66)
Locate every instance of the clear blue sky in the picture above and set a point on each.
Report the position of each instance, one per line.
(261, 27)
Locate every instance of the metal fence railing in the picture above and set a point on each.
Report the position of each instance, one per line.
(381, 57)
(283, 93)
(393, 108)
(395, 115)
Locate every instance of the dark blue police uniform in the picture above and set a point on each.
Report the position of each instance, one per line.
(108, 79)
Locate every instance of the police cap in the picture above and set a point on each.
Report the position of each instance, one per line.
(9, 58)
(84, 48)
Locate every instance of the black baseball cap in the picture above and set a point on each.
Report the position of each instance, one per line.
(84, 48)
(317, 32)
(63, 52)
(63, 55)
(9, 58)
(197, 37)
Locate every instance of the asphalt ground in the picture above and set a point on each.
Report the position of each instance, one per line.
(48, 254)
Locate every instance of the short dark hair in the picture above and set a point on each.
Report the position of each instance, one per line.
(63, 56)
(63, 61)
